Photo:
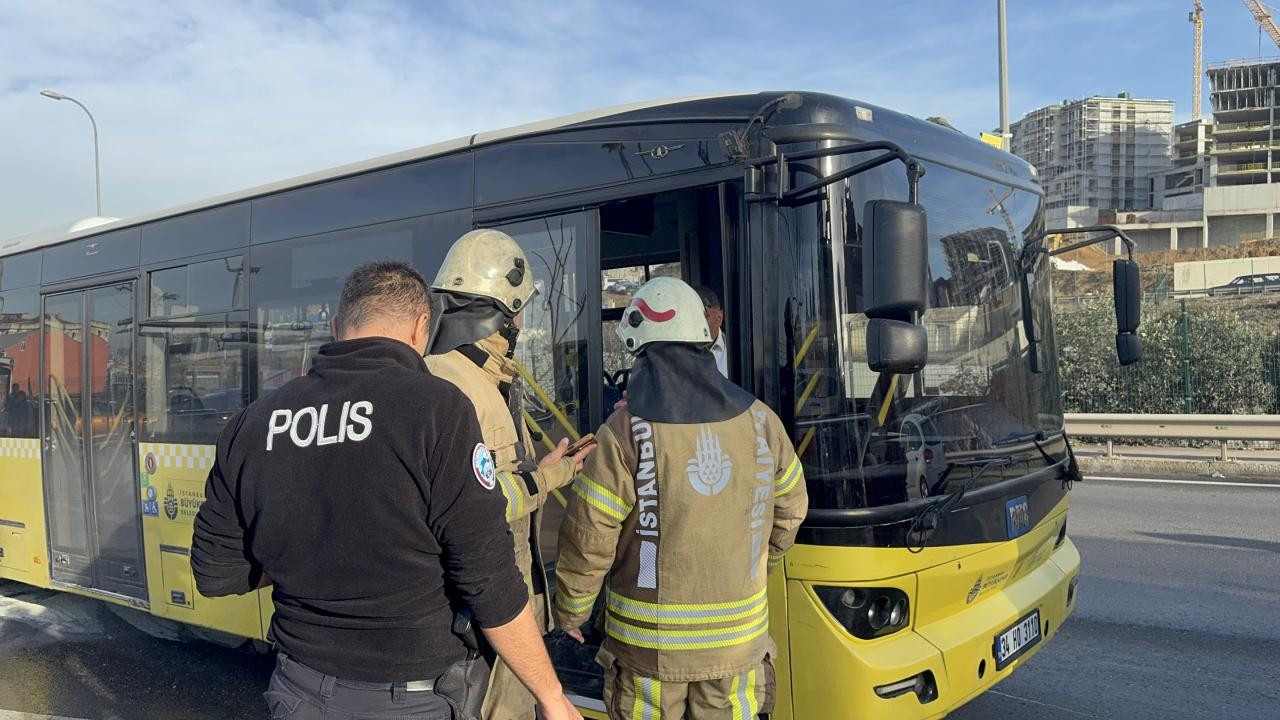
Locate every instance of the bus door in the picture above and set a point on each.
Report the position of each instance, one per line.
(91, 490)
(688, 234)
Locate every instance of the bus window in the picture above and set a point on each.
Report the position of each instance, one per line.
(864, 436)
(617, 285)
(672, 234)
(19, 363)
(199, 287)
(208, 231)
(194, 371)
(414, 190)
(20, 270)
(553, 338)
(109, 251)
(295, 284)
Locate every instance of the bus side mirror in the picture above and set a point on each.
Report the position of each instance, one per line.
(895, 264)
(1127, 286)
(894, 346)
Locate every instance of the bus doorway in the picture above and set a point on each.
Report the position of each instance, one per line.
(687, 234)
(91, 495)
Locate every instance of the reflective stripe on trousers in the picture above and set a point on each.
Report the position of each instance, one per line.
(742, 696)
(648, 703)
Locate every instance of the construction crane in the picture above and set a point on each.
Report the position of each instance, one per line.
(1197, 16)
(1264, 19)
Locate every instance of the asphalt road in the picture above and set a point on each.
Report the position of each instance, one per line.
(1178, 617)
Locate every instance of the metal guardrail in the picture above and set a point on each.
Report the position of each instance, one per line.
(1176, 427)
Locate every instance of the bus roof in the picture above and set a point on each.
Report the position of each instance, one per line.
(915, 135)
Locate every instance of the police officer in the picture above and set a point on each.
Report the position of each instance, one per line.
(364, 493)
(479, 293)
(694, 491)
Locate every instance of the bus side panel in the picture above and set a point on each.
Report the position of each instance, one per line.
(779, 631)
(23, 541)
(172, 490)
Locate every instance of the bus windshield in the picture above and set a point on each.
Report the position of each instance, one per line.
(871, 440)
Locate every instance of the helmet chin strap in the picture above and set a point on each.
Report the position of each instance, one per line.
(509, 332)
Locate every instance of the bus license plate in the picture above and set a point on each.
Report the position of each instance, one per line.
(1017, 640)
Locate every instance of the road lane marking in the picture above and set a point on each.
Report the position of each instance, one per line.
(1181, 482)
(1043, 704)
(14, 715)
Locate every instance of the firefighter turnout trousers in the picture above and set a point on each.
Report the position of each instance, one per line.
(743, 696)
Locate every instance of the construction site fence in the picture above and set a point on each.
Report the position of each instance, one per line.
(1203, 354)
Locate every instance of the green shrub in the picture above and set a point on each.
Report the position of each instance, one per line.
(1230, 369)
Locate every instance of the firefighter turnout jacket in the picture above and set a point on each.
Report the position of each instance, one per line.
(487, 377)
(679, 524)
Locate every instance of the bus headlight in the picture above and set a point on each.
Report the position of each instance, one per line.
(866, 613)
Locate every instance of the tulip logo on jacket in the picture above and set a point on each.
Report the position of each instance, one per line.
(709, 469)
(482, 464)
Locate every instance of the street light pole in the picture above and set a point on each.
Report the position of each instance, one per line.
(97, 174)
(1004, 79)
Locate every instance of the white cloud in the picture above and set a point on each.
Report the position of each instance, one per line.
(195, 99)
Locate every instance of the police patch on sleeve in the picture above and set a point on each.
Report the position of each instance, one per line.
(482, 464)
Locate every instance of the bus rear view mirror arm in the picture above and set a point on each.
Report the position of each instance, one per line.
(808, 192)
(1126, 280)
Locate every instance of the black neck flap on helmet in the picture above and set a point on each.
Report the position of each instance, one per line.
(459, 319)
(679, 383)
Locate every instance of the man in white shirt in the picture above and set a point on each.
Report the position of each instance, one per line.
(715, 321)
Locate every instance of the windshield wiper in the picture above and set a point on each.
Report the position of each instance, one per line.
(927, 520)
(1036, 438)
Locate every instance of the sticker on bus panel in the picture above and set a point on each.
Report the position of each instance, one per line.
(1017, 640)
(1017, 516)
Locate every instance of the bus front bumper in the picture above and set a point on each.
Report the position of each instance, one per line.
(926, 670)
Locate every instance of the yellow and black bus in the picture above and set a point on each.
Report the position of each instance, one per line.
(886, 289)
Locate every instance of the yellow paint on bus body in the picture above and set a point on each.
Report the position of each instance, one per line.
(991, 139)
(171, 486)
(961, 598)
(23, 539)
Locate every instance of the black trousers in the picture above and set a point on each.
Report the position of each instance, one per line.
(298, 692)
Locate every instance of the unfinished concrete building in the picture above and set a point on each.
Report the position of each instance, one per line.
(1182, 185)
(1245, 96)
(1098, 152)
(1246, 148)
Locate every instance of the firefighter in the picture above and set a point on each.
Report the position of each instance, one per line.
(694, 492)
(479, 293)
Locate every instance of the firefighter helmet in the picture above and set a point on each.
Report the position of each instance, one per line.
(490, 264)
(665, 309)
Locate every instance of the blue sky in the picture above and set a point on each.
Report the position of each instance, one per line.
(198, 98)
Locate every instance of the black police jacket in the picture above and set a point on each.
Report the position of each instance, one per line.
(364, 492)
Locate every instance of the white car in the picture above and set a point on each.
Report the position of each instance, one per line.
(926, 459)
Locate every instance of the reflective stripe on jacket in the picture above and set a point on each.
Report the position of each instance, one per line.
(677, 525)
